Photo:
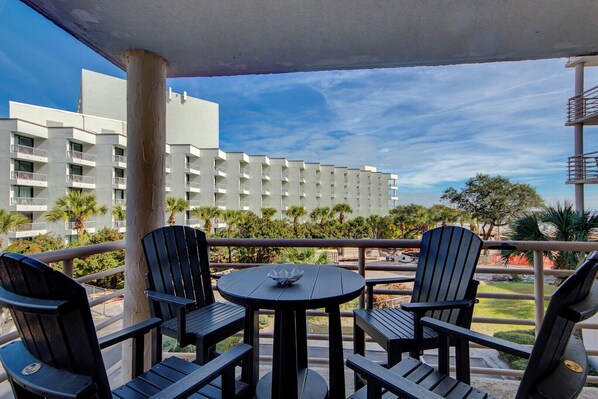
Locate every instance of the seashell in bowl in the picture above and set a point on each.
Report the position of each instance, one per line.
(284, 277)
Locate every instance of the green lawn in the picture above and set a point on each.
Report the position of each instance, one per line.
(506, 308)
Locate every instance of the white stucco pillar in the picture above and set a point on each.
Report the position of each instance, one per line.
(578, 137)
(146, 145)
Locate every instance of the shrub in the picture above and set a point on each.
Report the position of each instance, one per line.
(522, 337)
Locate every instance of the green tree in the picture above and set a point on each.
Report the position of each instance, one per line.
(207, 214)
(555, 223)
(101, 262)
(341, 210)
(379, 226)
(493, 201)
(76, 207)
(175, 205)
(296, 212)
(443, 214)
(119, 213)
(320, 214)
(303, 256)
(410, 221)
(9, 221)
(39, 243)
(268, 212)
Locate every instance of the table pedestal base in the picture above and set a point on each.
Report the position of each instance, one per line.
(310, 385)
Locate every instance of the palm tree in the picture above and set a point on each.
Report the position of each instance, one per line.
(9, 221)
(77, 207)
(322, 214)
(232, 218)
(341, 210)
(175, 205)
(304, 256)
(296, 212)
(268, 212)
(558, 223)
(119, 212)
(207, 213)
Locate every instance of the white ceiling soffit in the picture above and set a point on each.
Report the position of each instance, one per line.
(239, 37)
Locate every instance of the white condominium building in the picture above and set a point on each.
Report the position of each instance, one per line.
(47, 152)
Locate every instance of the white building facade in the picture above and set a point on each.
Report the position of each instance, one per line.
(47, 152)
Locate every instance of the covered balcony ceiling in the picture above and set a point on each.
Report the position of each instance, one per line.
(239, 37)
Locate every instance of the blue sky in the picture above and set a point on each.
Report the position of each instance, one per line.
(433, 126)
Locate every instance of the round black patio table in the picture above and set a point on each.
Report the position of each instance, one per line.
(322, 286)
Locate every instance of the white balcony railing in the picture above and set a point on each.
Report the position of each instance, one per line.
(192, 168)
(28, 201)
(120, 224)
(194, 203)
(120, 202)
(71, 225)
(23, 149)
(28, 176)
(31, 227)
(244, 172)
(70, 178)
(193, 222)
(82, 156)
(119, 181)
(220, 186)
(220, 171)
(120, 159)
(190, 185)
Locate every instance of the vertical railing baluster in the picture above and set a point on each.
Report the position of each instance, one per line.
(67, 267)
(361, 271)
(539, 288)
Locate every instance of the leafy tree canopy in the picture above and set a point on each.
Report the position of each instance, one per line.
(493, 201)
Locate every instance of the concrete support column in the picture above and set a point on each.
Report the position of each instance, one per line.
(578, 138)
(146, 146)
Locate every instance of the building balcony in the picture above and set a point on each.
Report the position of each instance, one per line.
(120, 161)
(583, 108)
(26, 204)
(167, 186)
(583, 168)
(120, 182)
(302, 193)
(284, 193)
(195, 223)
(220, 171)
(221, 205)
(81, 158)
(79, 181)
(244, 173)
(119, 202)
(244, 206)
(192, 187)
(265, 176)
(285, 178)
(220, 188)
(265, 191)
(28, 230)
(193, 204)
(167, 166)
(29, 179)
(318, 195)
(28, 153)
(90, 227)
(192, 168)
(120, 225)
(244, 190)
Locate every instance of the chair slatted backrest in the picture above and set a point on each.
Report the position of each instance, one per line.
(575, 300)
(446, 265)
(178, 264)
(65, 339)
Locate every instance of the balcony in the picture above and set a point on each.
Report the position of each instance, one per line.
(193, 204)
(285, 178)
(244, 206)
(284, 193)
(27, 204)
(28, 153)
(583, 168)
(265, 190)
(28, 230)
(79, 181)
(192, 168)
(220, 171)
(119, 202)
(120, 161)
(81, 158)
(90, 227)
(29, 179)
(120, 182)
(195, 223)
(167, 166)
(192, 186)
(265, 176)
(244, 190)
(583, 108)
(244, 173)
(167, 186)
(220, 188)
(221, 205)
(120, 225)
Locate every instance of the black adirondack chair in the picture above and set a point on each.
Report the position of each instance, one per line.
(180, 289)
(443, 289)
(59, 355)
(557, 365)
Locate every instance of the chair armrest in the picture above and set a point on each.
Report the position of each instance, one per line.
(472, 336)
(390, 280)
(133, 331)
(48, 381)
(369, 284)
(206, 374)
(170, 299)
(422, 307)
(379, 377)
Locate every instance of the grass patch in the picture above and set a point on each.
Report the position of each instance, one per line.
(506, 308)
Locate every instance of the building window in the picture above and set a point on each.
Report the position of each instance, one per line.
(23, 166)
(76, 170)
(119, 194)
(119, 151)
(75, 146)
(23, 192)
(119, 172)
(25, 141)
